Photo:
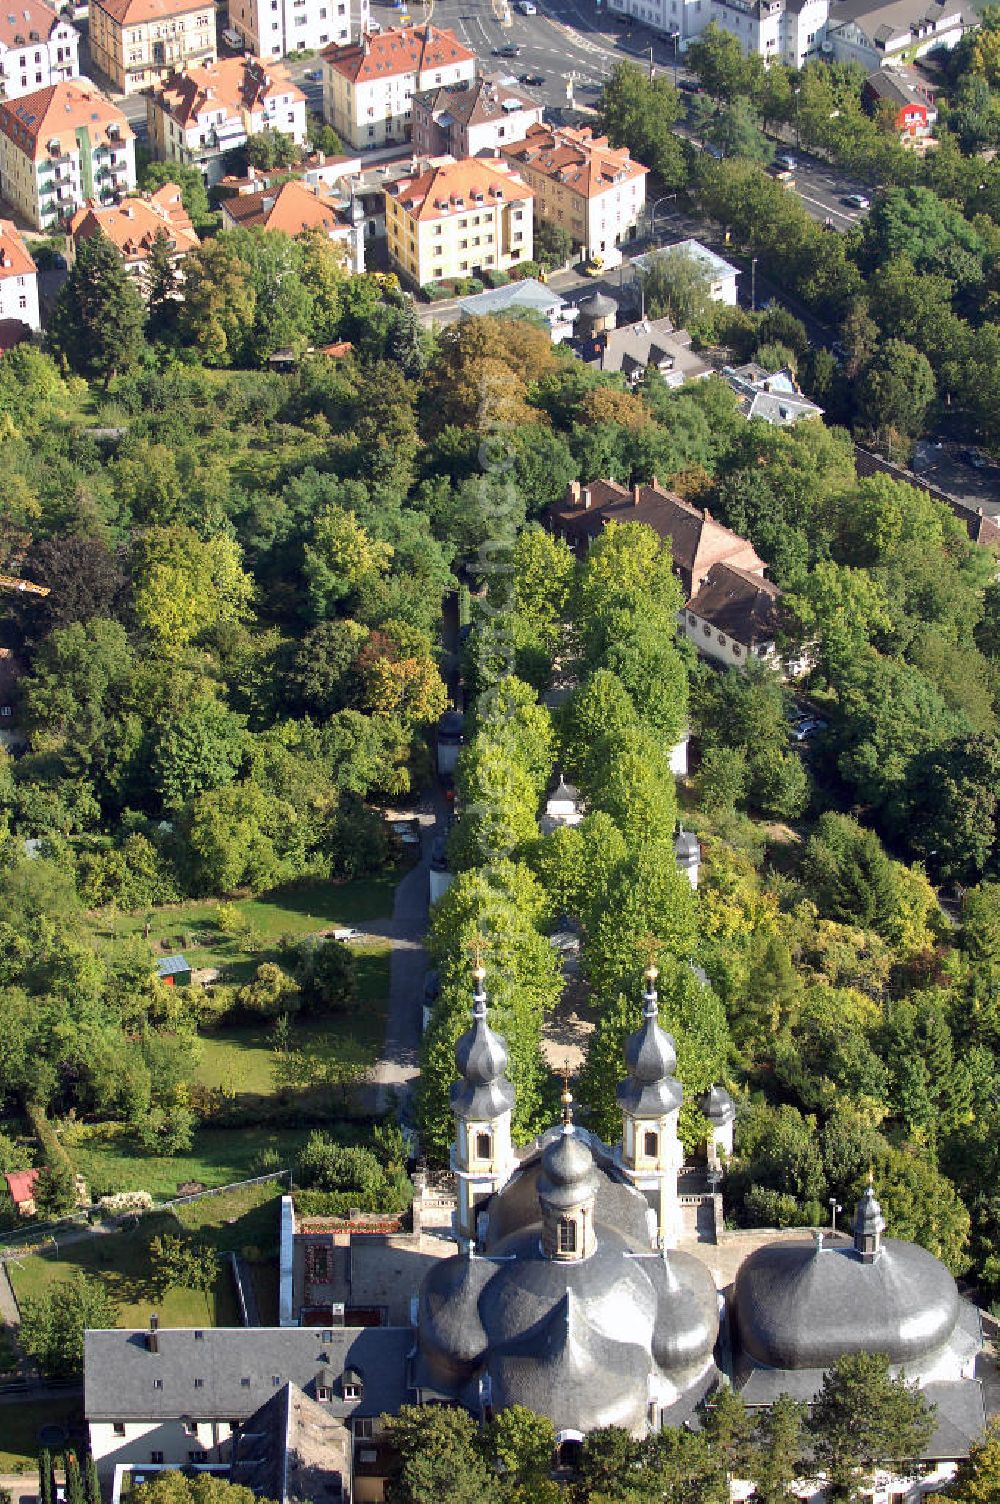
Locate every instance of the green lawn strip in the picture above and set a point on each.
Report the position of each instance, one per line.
(105, 1156)
(21, 1421)
(244, 1221)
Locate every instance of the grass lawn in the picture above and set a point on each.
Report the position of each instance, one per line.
(108, 1159)
(239, 1060)
(20, 1423)
(295, 911)
(244, 1221)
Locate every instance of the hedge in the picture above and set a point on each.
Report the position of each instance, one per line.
(55, 1155)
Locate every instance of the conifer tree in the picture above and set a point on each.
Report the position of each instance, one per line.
(97, 323)
(162, 284)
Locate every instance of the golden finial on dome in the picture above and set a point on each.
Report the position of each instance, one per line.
(566, 1097)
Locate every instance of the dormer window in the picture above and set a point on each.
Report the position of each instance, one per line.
(352, 1385)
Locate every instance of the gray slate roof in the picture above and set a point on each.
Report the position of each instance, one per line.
(527, 294)
(240, 1368)
(799, 1307)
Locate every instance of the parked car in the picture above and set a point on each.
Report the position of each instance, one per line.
(689, 86)
(603, 261)
(346, 933)
(856, 201)
(439, 854)
(974, 458)
(432, 986)
(526, 8)
(807, 727)
(786, 160)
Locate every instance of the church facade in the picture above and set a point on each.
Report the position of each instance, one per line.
(564, 1290)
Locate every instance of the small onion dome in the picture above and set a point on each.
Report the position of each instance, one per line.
(650, 1089)
(868, 1218)
(569, 1175)
(686, 845)
(482, 1091)
(598, 306)
(717, 1105)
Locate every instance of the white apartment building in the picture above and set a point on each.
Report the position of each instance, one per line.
(368, 87)
(790, 31)
(898, 32)
(60, 147)
(794, 31)
(37, 48)
(202, 113)
(18, 279)
(458, 219)
(271, 28)
(582, 183)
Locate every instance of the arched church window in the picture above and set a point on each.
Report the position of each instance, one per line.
(652, 1145)
(484, 1145)
(567, 1235)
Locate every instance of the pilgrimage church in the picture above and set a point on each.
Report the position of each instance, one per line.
(559, 1284)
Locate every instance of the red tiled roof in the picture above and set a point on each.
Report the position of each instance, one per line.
(133, 224)
(134, 12)
(456, 187)
(21, 1184)
(25, 21)
(237, 83)
(696, 540)
(586, 163)
(399, 49)
(57, 113)
(15, 259)
(737, 603)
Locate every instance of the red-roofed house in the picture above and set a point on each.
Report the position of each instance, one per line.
(294, 207)
(60, 147)
(136, 43)
(37, 48)
(18, 279)
(582, 183)
(21, 1185)
(133, 227)
(458, 218)
(368, 86)
(202, 113)
(730, 610)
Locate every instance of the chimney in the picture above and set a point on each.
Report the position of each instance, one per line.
(587, 498)
(153, 1335)
(574, 493)
(636, 494)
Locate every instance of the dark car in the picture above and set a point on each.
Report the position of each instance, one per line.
(689, 86)
(509, 49)
(532, 79)
(439, 854)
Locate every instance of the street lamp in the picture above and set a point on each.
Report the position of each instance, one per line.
(835, 1207)
(753, 284)
(674, 38)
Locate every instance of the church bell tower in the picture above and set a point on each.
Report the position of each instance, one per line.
(650, 1099)
(482, 1099)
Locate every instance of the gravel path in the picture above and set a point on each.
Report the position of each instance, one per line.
(399, 1062)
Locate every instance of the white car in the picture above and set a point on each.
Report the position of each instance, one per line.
(857, 201)
(526, 8)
